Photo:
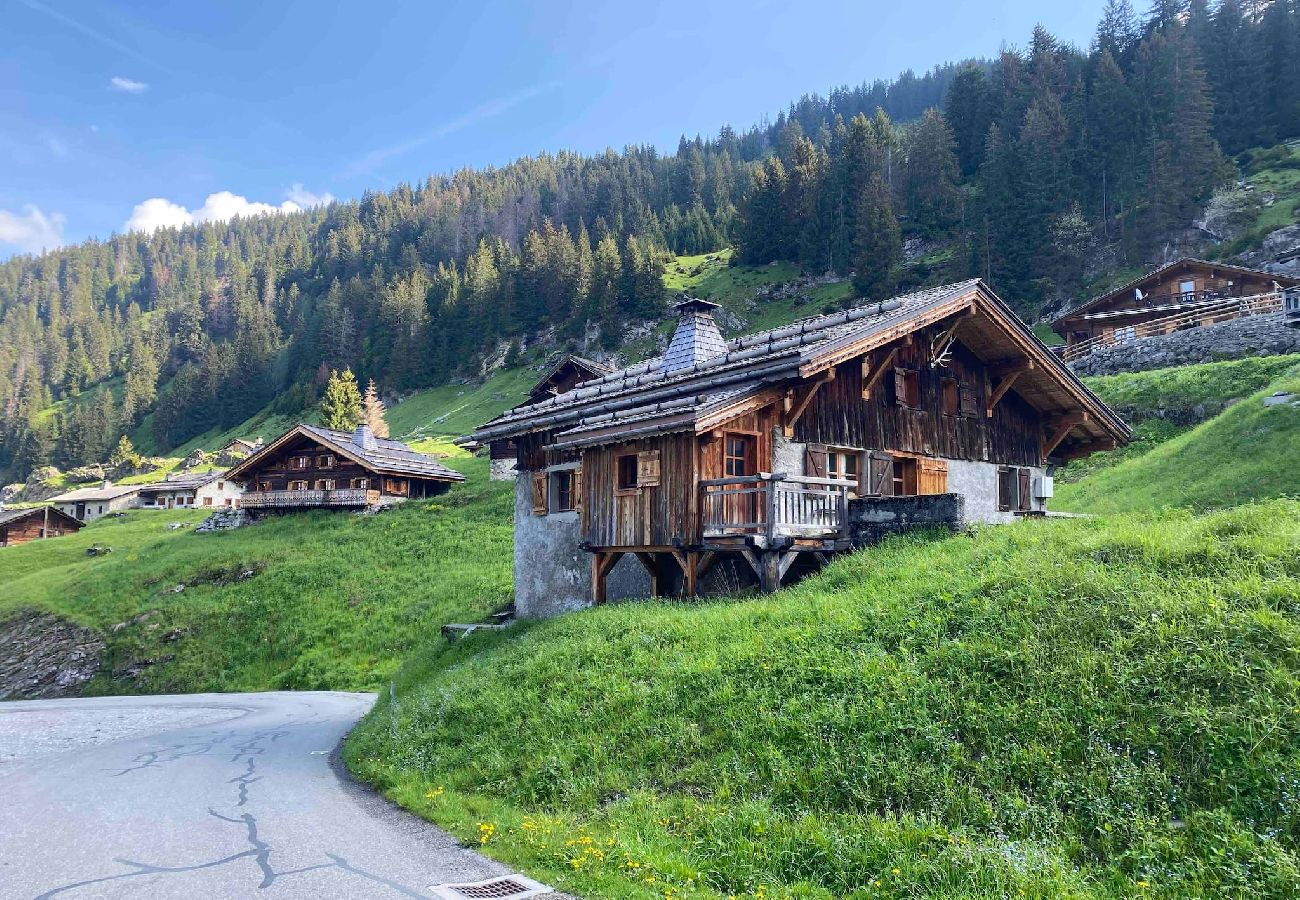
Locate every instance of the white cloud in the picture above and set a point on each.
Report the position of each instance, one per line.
(118, 83)
(222, 206)
(31, 231)
(305, 198)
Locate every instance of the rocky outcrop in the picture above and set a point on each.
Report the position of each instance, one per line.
(1254, 336)
(44, 656)
(224, 519)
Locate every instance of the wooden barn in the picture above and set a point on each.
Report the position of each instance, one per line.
(752, 452)
(18, 526)
(311, 467)
(1184, 294)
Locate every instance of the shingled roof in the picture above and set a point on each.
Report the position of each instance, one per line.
(381, 455)
(651, 397)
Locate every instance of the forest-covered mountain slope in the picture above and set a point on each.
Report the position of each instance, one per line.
(1041, 169)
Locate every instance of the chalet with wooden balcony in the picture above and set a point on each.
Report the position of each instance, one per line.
(1185, 294)
(310, 467)
(727, 463)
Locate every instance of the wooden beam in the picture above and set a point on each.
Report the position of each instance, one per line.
(651, 565)
(692, 571)
(786, 561)
(770, 576)
(753, 562)
(601, 563)
(1008, 376)
(1060, 428)
(794, 410)
(870, 378)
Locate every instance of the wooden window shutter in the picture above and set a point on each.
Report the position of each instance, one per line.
(815, 465)
(932, 476)
(647, 468)
(1024, 498)
(539, 493)
(1007, 484)
(881, 475)
(577, 488)
(900, 387)
(970, 399)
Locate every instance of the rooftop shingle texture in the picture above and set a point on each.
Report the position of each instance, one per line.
(183, 482)
(696, 339)
(388, 455)
(111, 492)
(764, 356)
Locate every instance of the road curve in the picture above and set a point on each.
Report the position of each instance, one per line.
(204, 795)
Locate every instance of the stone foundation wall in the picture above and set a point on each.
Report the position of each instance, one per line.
(552, 571)
(873, 519)
(1254, 336)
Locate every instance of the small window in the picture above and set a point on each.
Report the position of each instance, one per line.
(324, 484)
(739, 458)
(564, 490)
(297, 485)
(207, 501)
(221, 485)
(300, 462)
(904, 477)
(395, 487)
(1013, 489)
(907, 388)
(325, 461)
(229, 502)
(951, 397)
(626, 471)
(360, 484)
(264, 486)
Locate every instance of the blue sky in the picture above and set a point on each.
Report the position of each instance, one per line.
(162, 112)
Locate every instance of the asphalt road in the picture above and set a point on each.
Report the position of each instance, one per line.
(205, 795)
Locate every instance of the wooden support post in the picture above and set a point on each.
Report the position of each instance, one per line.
(1008, 376)
(692, 572)
(651, 564)
(753, 562)
(770, 576)
(601, 562)
(706, 561)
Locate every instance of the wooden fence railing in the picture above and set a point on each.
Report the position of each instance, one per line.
(774, 505)
(341, 497)
(1203, 313)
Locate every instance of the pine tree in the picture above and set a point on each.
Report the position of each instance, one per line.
(969, 113)
(340, 408)
(124, 452)
(933, 173)
(373, 410)
(879, 246)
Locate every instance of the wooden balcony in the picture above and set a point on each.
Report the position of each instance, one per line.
(304, 499)
(771, 506)
(1208, 313)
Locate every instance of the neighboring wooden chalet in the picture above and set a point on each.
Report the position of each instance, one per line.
(88, 504)
(309, 466)
(1183, 294)
(18, 526)
(191, 491)
(751, 452)
(564, 376)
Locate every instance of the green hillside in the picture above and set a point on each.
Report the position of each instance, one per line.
(1077, 708)
(334, 600)
(1247, 452)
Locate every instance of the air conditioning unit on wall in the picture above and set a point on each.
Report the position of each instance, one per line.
(1043, 485)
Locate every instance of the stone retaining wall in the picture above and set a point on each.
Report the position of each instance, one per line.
(872, 519)
(1265, 335)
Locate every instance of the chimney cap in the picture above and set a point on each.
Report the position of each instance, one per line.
(694, 304)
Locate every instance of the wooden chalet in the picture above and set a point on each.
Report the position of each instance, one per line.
(565, 375)
(1184, 294)
(18, 526)
(752, 450)
(310, 467)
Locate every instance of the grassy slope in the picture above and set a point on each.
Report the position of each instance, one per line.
(1084, 708)
(1161, 404)
(336, 602)
(1247, 452)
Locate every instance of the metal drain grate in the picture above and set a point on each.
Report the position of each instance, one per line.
(513, 887)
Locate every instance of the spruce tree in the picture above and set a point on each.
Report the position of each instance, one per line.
(340, 408)
(879, 247)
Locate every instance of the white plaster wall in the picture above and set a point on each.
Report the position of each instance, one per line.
(220, 491)
(787, 456)
(978, 483)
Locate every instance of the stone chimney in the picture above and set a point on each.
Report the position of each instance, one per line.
(105, 485)
(364, 438)
(697, 337)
